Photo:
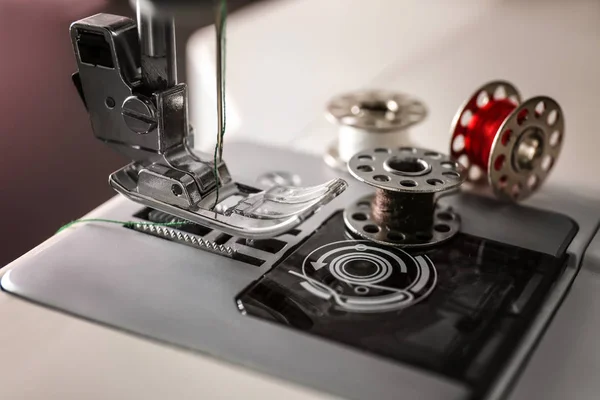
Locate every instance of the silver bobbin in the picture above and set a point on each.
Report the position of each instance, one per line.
(524, 149)
(371, 112)
(408, 170)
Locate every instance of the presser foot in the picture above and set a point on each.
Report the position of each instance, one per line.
(240, 210)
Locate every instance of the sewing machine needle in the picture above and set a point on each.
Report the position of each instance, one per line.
(220, 72)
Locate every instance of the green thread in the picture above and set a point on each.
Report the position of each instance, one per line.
(220, 27)
(216, 174)
(128, 224)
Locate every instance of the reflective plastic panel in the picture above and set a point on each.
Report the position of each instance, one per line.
(457, 309)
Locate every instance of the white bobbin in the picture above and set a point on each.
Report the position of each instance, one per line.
(370, 119)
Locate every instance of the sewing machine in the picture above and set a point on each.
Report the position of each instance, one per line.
(331, 268)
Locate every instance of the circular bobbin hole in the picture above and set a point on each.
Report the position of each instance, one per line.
(446, 223)
(527, 148)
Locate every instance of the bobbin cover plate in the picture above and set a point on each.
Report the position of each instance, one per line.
(452, 310)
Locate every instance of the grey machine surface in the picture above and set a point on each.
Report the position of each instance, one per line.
(211, 280)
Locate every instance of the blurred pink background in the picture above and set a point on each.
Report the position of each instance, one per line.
(52, 169)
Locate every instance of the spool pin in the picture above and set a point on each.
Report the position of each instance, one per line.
(513, 144)
(368, 119)
(403, 212)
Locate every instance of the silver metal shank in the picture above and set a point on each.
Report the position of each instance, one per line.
(158, 61)
(136, 107)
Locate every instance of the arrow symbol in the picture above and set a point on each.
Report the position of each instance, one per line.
(320, 263)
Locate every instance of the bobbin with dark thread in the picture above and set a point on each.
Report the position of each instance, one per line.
(403, 211)
(370, 118)
(511, 144)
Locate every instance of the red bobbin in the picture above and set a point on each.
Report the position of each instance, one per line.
(515, 144)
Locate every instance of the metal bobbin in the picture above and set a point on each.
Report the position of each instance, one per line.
(403, 212)
(370, 118)
(515, 144)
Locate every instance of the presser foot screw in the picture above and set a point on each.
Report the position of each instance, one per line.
(139, 114)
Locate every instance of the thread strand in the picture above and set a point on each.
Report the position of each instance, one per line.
(124, 223)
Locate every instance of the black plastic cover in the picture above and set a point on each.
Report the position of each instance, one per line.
(463, 325)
